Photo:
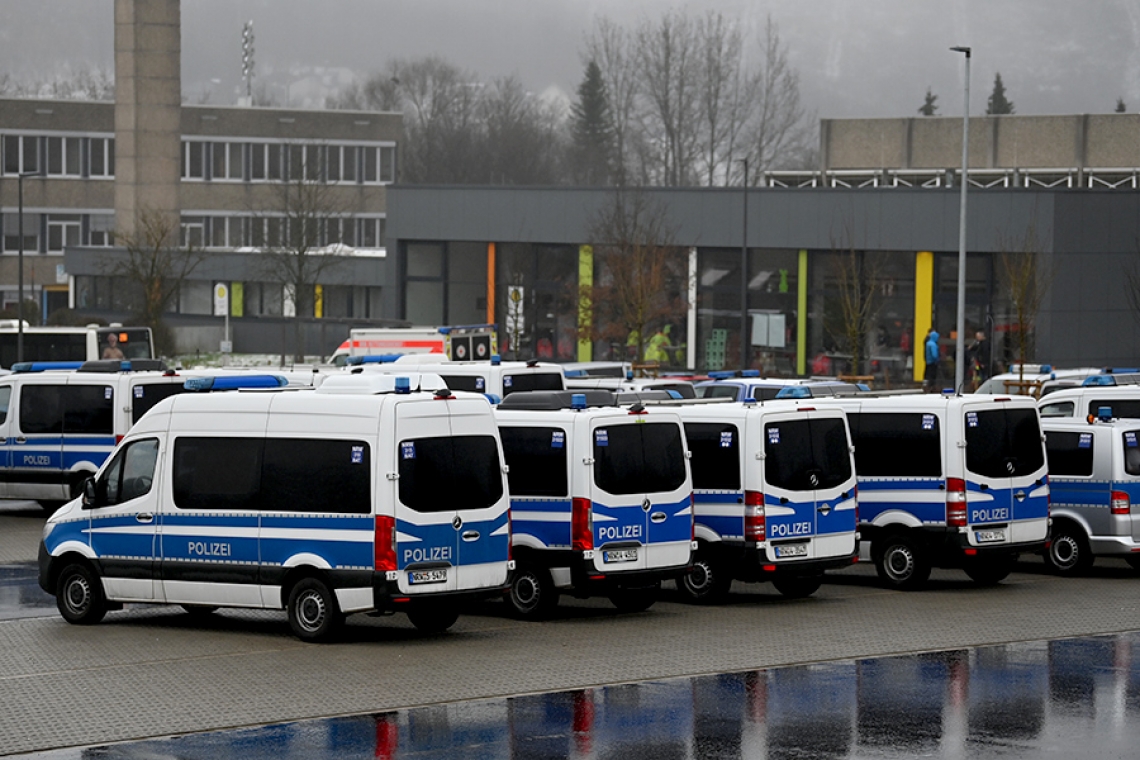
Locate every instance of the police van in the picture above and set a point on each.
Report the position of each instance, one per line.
(1094, 480)
(601, 499)
(362, 496)
(1085, 402)
(746, 384)
(495, 378)
(948, 481)
(774, 496)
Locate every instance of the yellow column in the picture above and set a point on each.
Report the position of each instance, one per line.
(318, 301)
(585, 305)
(923, 309)
(237, 299)
(490, 283)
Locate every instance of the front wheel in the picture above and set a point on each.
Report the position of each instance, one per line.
(533, 595)
(433, 618)
(1069, 552)
(800, 587)
(901, 564)
(79, 595)
(706, 582)
(314, 614)
(990, 571)
(635, 599)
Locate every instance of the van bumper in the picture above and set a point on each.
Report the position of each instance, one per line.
(952, 547)
(587, 581)
(765, 569)
(387, 596)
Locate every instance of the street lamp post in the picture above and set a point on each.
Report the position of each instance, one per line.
(744, 363)
(20, 265)
(960, 354)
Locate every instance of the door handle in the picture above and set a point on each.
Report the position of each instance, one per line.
(657, 517)
(144, 517)
(21, 439)
(783, 499)
(825, 510)
(470, 535)
(985, 486)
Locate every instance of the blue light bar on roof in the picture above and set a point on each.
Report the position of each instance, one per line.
(372, 359)
(722, 375)
(44, 366)
(794, 391)
(1099, 380)
(234, 382)
(750, 373)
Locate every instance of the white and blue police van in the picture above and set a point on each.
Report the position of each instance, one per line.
(948, 481)
(1094, 481)
(601, 499)
(365, 495)
(1087, 401)
(495, 378)
(774, 496)
(741, 385)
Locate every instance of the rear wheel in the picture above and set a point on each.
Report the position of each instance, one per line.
(533, 595)
(706, 582)
(433, 618)
(314, 614)
(990, 571)
(901, 564)
(798, 587)
(635, 599)
(79, 595)
(1069, 553)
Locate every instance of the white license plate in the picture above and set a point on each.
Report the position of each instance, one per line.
(792, 550)
(437, 575)
(620, 555)
(989, 536)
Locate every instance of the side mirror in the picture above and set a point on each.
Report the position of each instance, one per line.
(89, 493)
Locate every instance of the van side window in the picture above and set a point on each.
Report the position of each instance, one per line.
(532, 381)
(1070, 454)
(1121, 407)
(303, 475)
(644, 458)
(896, 445)
(716, 455)
(217, 473)
(129, 475)
(1131, 452)
(41, 409)
(145, 396)
(1059, 409)
(471, 383)
(449, 473)
(46, 409)
(537, 460)
(1003, 443)
(5, 399)
(797, 450)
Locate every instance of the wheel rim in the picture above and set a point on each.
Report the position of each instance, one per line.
(311, 611)
(1064, 552)
(898, 563)
(77, 594)
(525, 592)
(699, 579)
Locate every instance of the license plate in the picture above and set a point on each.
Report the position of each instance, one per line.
(437, 575)
(792, 550)
(989, 536)
(620, 555)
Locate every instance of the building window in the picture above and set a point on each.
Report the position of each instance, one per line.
(63, 230)
(12, 232)
(372, 231)
(371, 164)
(21, 154)
(63, 157)
(193, 232)
(102, 230)
(102, 157)
(196, 297)
(193, 160)
(388, 164)
(348, 163)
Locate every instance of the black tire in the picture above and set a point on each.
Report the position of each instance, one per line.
(901, 564)
(532, 595)
(1133, 561)
(1069, 552)
(798, 587)
(707, 582)
(635, 599)
(990, 571)
(433, 618)
(79, 595)
(199, 611)
(314, 614)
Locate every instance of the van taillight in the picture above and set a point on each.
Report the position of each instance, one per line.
(1120, 504)
(955, 502)
(385, 543)
(581, 525)
(754, 519)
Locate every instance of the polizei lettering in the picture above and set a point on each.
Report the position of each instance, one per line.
(209, 549)
(619, 532)
(994, 514)
(428, 554)
(777, 530)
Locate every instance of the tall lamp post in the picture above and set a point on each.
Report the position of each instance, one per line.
(960, 354)
(744, 363)
(20, 265)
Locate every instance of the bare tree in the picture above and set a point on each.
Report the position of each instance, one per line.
(725, 94)
(640, 271)
(521, 136)
(1026, 281)
(69, 82)
(669, 61)
(780, 131)
(610, 46)
(155, 263)
(857, 276)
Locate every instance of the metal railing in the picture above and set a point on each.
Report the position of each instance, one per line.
(1062, 177)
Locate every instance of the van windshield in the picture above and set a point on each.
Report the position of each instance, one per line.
(533, 381)
(639, 458)
(1003, 443)
(803, 455)
(450, 473)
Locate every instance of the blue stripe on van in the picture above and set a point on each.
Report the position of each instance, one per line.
(211, 537)
(344, 541)
(550, 525)
(725, 526)
(492, 544)
(925, 508)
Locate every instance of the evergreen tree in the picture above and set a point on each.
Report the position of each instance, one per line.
(930, 106)
(591, 127)
(1120, 105)
(998, 105)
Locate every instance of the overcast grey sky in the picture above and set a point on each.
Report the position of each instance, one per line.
(856, 58)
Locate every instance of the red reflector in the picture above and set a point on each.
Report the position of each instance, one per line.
(769, 568)
(1002, 399)
(753, 499)
(971, 552)
(385, 543)
(581, 525)
(597, 577)
(955, 502)
(402, 599)
(855, 560)
(1120, 504)
(118, 438)
(806, 409)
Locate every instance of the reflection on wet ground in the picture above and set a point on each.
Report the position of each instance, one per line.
(1068, 698)
(20, 593)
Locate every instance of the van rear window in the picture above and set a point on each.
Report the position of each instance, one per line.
(450, 473)
(904, 445)
(537, 460)
(471, 383)
(1003, 443)
(533, 381)
(145, 396)
(803, 455)
(1122, 408)
(639, 458)
(1069, 454)
(1131, 440)
(717, 391)
(716, 455)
